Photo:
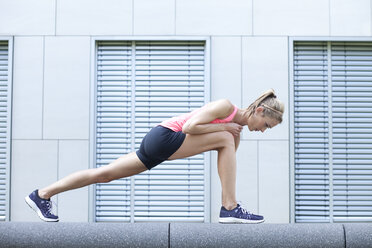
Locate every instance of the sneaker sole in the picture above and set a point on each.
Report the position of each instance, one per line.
(34, 207)
(232, 220)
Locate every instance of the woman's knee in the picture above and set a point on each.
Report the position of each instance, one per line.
(101, 175)
(226, 139)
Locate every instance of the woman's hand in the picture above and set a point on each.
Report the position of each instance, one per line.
(233, 128)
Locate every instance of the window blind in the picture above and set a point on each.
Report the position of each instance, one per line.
(352, 130)
(113, 125)
(333, 131)
(169, 82)
(311, 132)
(163, 79)
(5, 118)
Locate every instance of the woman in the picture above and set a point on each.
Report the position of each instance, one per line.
(215, 126)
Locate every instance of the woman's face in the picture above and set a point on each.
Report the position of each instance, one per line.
(259, 122)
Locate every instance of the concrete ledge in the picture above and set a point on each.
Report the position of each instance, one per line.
(358, 235)
(40, 234)
(53, 235)
(263, 235)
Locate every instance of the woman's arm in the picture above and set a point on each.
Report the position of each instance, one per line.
(200, 122)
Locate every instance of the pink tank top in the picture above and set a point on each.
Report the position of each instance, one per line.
(176, 123)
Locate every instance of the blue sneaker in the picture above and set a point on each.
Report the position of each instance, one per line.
(41, 206)
(239, 215)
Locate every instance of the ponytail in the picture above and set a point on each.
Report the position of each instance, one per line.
(273, 107)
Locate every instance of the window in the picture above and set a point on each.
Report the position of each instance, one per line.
(139, 84)
(5, 120)
(332, 131)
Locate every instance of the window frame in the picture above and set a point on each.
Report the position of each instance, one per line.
(291, 42)
(10, 40)
(92, 108)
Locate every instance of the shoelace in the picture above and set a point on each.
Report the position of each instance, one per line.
(243, 209)
(49, 206)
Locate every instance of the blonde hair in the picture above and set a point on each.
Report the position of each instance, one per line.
(272, 106)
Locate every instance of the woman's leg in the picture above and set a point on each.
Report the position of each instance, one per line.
(237, 142)
(225, 144)
(125, 166)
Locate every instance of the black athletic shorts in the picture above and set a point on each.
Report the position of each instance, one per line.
(158, 145)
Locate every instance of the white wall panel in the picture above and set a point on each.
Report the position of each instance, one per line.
(246, 180)
(154, 17)
(27, 17)
(94, 17)
(273, 181)
(226, 69)
(350, 17)
(34, 166)
(66, 88)
(73, 156)
(214, 17)
(265, 66)
(215, 189)
(28, 88)
(291, 17)
(247, 175)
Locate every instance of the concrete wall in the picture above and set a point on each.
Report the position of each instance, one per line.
(249, 53)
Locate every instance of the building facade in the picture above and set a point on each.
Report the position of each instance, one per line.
(83, 81)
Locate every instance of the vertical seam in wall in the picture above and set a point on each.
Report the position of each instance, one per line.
(90, 125)
(330, 19)
(252, 18)
(241, 71)
(43, 92)
(90, 95)
(169, 225)
(8, 181)
(343, 227)
(258, 178)
(290, 209)
(55, 17)
(132, 17)
(175, 16)
(57, 168)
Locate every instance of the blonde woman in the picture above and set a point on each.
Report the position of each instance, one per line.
(215, 126)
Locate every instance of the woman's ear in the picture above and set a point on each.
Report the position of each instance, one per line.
(259, 110)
